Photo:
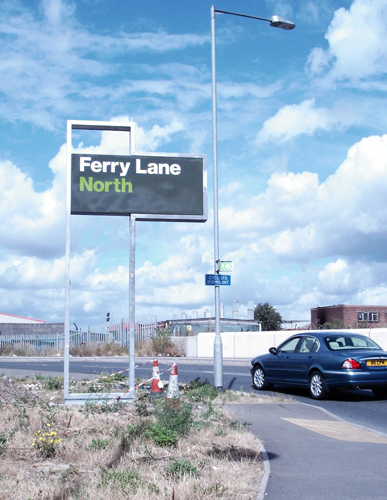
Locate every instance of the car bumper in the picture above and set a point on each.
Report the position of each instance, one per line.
(353, 379)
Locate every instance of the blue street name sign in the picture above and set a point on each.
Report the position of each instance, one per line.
(218, 279)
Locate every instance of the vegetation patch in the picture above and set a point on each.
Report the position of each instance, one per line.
(150, 449)
(178, 468)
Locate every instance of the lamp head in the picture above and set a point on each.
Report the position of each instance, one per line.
(280, 22)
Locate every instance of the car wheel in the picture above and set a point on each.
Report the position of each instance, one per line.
(317, 386)
(259, 378)
(380, 392)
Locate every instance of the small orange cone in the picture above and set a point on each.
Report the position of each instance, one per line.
(173, 393)
(157, 385)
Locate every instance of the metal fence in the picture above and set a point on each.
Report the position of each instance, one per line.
(142, 331)
(85, 337)
(35, 341)
(117, 333)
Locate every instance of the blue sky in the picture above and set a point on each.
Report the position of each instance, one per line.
(302, 153)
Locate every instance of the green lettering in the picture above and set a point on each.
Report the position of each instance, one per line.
(99, 186)
(126, 184)
(83, 183)
(120, 186)
(107, 185)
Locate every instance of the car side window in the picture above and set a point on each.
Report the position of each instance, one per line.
(333, 344)
(348, 342)
(309, 344)
(290, 345)
(357, 342)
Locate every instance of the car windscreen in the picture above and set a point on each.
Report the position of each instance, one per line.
(345, 342)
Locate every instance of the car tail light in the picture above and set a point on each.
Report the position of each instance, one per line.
(351, 364)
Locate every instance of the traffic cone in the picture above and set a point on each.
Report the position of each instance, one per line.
(173, 393)
(157, 385)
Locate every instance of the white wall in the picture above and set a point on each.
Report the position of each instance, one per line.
(250, 344)
(239, 344)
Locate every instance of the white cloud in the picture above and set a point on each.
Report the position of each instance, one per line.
(373, 296)
(300, 219)
(55, 11)
(32, 222)
(296, 221)
(318, 61)
(229, 91)
(151, 140)
(281, 8)
(33, 227)
(179, 280)
(51, 64)
(357, 40)
(144, 140)
(335, 276)
(232, 189)
(33, 273)
(300, 119)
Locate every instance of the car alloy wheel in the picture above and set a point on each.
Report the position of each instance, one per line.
(317, 386)
(259, 378)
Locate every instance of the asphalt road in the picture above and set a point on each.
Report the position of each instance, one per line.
(358, 407)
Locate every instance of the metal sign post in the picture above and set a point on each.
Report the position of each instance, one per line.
(147, 187)
(132, 303)
(86, 125)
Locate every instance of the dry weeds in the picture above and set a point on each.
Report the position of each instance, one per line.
(218, 459)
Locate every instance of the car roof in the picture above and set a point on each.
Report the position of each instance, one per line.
(320, 334)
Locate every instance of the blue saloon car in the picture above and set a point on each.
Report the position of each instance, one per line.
(323, 361)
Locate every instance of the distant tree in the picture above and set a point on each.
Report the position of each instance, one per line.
(335, 324)
(270, 318)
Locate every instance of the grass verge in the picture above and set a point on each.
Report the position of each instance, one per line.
(151, 449)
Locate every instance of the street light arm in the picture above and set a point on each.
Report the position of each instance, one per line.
(275, 21)
(241, 15)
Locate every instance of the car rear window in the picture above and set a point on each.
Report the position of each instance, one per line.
(339, 342)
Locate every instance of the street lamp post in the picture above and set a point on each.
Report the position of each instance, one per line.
(275, 22)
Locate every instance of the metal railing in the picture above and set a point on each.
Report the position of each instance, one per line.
(117, 333)
(142, 331)
(38, 341)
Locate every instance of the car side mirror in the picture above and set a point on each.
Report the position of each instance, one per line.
(273, 350)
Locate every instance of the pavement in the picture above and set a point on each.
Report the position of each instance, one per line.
(310, 454)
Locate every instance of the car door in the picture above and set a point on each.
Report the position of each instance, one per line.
(301, 360)
(277, 365)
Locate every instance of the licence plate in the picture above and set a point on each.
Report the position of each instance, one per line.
(376, 362)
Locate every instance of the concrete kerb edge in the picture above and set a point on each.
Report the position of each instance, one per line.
(266, 473)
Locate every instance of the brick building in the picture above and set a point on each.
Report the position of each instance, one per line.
(350, 316)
